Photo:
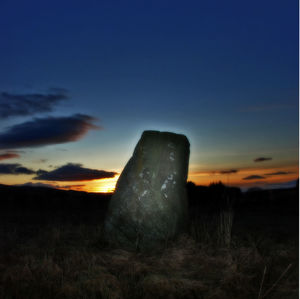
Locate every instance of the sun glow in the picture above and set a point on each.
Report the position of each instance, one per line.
(106, 185)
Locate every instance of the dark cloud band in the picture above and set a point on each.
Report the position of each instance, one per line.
(278, 173)
(14, 169)
(262, 159)
(46, 131)
(29, 104)
(254, 177)
(73, 172)
(228, 171)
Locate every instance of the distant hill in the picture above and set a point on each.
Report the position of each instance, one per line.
(29, 197)
(212, 197)
(284, 185)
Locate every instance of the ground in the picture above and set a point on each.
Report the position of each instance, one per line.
(52, 249)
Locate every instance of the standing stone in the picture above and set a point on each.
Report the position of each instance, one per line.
(149, 205)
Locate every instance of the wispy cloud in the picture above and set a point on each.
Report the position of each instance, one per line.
(76, 187)
(53, 186)
(254, 177)
(278, 173)
(46, 131)
(15, 169)
(214, 172)
(12, 104)
(262, 159)
(73, 172)
(228, 171)
(9, 155)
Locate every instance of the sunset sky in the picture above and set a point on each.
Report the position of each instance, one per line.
(81, 80)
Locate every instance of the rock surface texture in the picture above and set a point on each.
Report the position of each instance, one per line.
(149, 205)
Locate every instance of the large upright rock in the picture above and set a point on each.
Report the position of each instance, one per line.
(149, 205)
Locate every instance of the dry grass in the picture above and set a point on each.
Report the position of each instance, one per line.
(55, 249)
(71, 261)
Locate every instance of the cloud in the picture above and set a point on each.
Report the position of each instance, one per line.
(278, 173)
(73, 172)
(46, 131)
(228, 171)
(29, 104)
(9, 155)
(14, 169)
(53, 186)
(262, 159)
(214, 172)
(72, 186)
(253, 177)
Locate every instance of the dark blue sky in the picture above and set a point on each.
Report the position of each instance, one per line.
(225, 73)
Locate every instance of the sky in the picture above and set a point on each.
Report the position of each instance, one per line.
(81, 80)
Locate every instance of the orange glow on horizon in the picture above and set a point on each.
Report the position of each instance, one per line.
(205, 178)
(237, 179)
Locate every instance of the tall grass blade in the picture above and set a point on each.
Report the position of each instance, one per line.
(277, 281)
(261, 283)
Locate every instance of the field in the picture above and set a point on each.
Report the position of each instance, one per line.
(238, 246)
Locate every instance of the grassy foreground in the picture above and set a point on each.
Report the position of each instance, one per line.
(58, 252)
